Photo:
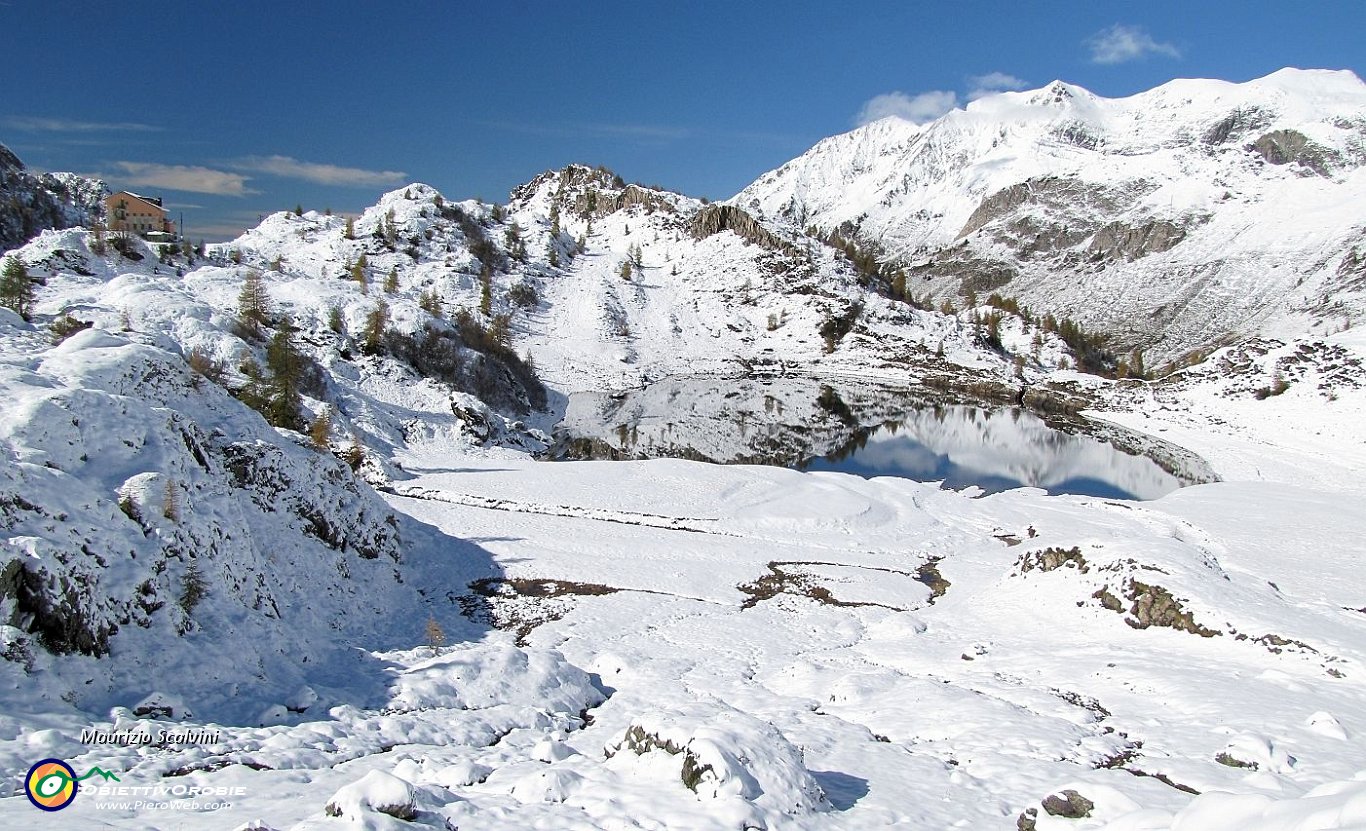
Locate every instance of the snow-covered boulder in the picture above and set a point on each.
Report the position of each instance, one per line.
(726, 754)
(377, 791)
(486, 675)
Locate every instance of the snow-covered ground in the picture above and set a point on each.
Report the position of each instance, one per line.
(689, 645)
(488, 641)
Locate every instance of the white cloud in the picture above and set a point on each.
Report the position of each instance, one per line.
(1121, 43)
(34, 124)
(992, 83)
(321, 174)
(190, 178)
(927, 106)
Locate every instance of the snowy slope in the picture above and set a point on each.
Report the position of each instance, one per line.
(702, 300)
(1169, 218)
(650, 644)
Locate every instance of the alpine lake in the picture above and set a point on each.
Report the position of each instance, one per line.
(871, 430)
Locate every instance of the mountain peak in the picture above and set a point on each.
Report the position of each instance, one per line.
(1059, 93)
(1318, 83)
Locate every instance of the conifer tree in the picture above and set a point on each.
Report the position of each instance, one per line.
(16, 290)
(500, 330)
(284, 403)
(350, 232)
(391, 281)
(320, 429)
(255, 394)
(430, 302)
(372, 336)
(358, 274)
(170, 501)
(486, 291)
(253, 303)
(626, 270)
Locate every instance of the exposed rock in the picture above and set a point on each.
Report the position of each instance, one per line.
(1108, 600)
(31, 203)
(1236, 123)
(1077, 200)
(1132, 242)
(928, 575)
(726, 753)
(1053, 558)
(714, 219)
(634, 195)
(1291, 146)
(1077, 134)
(1069, 805)
(1028, 820)
(1155, 606)
(975, 273)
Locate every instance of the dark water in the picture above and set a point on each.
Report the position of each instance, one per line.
(861, 430)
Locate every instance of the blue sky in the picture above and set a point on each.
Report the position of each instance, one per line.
(233, 110)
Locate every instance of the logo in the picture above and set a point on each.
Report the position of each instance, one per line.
(52, 784)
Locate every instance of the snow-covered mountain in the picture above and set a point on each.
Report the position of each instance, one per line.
(29, 203)
(421, 324)
(1169, 219)
(288, 491)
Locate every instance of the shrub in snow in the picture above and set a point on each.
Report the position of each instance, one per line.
(377, 791)
(726, 753)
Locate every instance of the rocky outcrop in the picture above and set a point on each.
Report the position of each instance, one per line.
(1075, 200)
(1155, 606)
(1069, 805)
(974, 273)
(1281, 147)
(723, 752)
(30, 204)
(714, 219)
(1236, 123)
(1131, 242)
(1053, 558)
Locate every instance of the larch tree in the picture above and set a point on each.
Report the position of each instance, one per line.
(253, 303)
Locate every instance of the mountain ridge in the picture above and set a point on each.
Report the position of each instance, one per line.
(1117, 212)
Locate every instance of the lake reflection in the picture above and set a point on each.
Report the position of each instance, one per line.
(996, 451)
(859, 429)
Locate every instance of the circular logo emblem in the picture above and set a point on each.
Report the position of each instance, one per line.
(51, 784)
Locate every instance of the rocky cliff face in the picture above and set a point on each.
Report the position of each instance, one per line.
(29, 203)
